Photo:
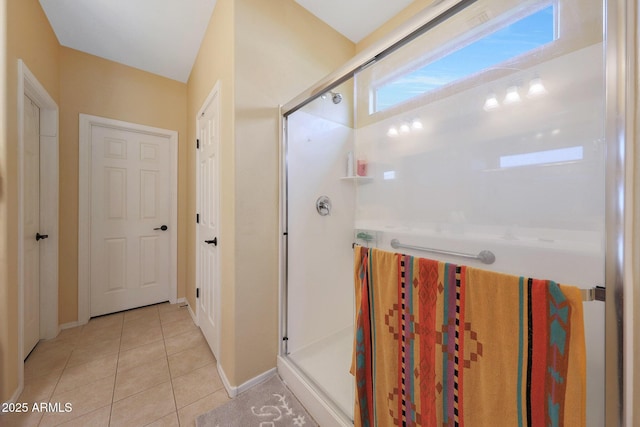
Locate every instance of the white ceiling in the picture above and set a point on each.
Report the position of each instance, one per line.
(159, 36)
(355, 19)
(163, 36)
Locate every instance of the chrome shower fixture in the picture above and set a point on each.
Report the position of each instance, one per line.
(336, 97)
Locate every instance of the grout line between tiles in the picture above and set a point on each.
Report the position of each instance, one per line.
(173, 392)
(57, 382)
(115, 377)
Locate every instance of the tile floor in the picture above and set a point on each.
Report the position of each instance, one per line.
(145, 367)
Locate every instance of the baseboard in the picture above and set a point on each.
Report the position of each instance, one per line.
(14, 397)
(193, 315)
(234, 391)
(231, 391)
(70, 325)
(257, 380)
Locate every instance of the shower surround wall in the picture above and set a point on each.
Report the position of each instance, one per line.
(320, 291)
(524, 178)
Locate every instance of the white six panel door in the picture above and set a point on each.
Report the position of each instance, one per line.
(207, 206)
(130, 202)
(31, 226)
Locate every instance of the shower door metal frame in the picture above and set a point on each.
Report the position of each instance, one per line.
(620, 59)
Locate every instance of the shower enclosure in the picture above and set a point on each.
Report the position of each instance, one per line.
(481, 126)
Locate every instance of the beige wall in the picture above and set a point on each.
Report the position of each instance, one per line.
(30, 38)
(215, 63)
(281, 50)
(6, 383)
(263, 54)
(99, 87)
(635, 251)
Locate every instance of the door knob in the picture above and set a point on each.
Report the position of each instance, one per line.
(163, 228)
(41, 236)
(213, 242)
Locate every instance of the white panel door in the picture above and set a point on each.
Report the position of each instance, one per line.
(130, 213)
(207, 207)
(31, 219)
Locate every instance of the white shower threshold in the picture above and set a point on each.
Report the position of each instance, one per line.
(318, 374)
(324, 412)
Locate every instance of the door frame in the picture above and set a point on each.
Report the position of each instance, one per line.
(86, 122)
(213, 95)
(29, 85)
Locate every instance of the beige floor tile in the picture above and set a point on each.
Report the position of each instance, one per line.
(39, 389)
(190, 359)
(165, 307)
(69, 333)
(129, 358)
(178, 327)
(196, 384)
(52, 347)
(97, 336)
(131, 315)
(89, 353)
(140, 378)
(41, 363)
(140, 324)
(178, 343)
(20, 419)
(140, 337)
(141, 355)
(83, 400)
(109, 321)
(188, 414)
(170, 420)
(97, 418)
(169, 316)
(143, 408)
(66, 338)
(80, 375)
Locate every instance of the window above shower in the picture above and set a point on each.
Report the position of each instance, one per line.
(522, 32)
(512, 124)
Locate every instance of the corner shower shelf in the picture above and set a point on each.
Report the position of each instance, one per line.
(357, 179)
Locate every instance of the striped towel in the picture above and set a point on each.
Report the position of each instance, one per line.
(438, 344)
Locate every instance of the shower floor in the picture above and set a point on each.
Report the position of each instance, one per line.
(327, 363)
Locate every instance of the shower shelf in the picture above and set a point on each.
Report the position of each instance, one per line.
(356, 178)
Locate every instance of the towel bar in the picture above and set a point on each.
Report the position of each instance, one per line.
(486, 257)
(594, 294)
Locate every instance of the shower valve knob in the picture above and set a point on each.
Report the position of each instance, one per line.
(323, 206)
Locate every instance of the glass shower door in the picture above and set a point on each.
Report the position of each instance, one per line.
(487, 131)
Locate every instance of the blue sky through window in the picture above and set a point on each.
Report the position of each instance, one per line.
(519, 37)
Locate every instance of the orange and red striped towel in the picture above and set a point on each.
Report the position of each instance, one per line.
(438, 344)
